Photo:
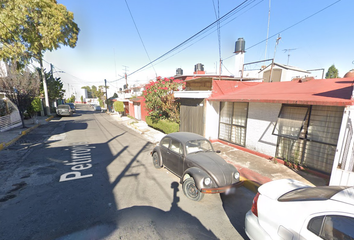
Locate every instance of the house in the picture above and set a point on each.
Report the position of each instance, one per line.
(134, 105)
(293, 117)
(298, 121)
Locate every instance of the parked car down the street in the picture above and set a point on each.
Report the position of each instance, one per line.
(192, 158)
(289, 209)
(96, 108)
(64, 110)
(72, 106)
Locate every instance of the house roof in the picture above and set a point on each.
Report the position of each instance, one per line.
(287, 67)
(332, 92)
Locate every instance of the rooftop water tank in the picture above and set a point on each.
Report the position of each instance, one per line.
(179, 71)
(240, 45)
(198, 67)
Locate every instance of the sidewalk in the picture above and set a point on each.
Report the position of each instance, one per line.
(254, 170)
(9, 137)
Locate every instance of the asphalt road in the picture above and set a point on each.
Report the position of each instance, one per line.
(89, 177)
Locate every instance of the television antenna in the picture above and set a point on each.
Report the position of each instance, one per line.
(288, 50)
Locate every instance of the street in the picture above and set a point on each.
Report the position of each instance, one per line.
(90, 177)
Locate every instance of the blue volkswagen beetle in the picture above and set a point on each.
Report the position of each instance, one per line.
(192, 158)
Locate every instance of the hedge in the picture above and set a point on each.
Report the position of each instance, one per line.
(163, 125)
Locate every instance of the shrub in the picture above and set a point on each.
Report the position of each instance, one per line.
(163, 125)
(159, 98)
(118, 106)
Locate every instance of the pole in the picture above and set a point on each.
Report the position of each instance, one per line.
(275, 50)
(45, 88)
(105, 86)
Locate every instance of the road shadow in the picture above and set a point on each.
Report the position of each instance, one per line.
(82, 205)
(144, 222)
(236, 205)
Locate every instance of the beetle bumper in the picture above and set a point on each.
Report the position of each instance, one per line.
(221, 189)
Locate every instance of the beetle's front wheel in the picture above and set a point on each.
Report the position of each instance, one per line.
(191, 191)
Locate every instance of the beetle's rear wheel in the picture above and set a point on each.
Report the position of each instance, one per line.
(191, 191)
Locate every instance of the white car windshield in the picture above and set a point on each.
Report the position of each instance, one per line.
(201, 145)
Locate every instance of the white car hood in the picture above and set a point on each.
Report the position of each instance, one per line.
(277, 188)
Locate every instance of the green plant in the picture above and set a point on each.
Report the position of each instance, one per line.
(118, 106)
(163, 125)
(159, 98)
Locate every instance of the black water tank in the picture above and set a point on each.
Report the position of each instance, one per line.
(179, 71)
(240, 45)
(198, 67)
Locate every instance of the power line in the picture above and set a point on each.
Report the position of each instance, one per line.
(224, 17)
(291, 26)
(136, 27)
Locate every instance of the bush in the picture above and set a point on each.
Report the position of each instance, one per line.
(118, 106)
(163, 125)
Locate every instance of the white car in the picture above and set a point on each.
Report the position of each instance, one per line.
(289, 209)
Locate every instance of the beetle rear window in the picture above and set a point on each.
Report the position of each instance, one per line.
(311, 193)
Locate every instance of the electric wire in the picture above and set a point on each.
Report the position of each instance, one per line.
(207, 28)
(141, 39)
(291, 26)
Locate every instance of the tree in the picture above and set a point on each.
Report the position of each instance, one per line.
(160, 100)
(30, 28)
(71, 99)
(55, 86)
(21, 86)
(332, 72)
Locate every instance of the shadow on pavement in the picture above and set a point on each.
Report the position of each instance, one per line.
(66, 192)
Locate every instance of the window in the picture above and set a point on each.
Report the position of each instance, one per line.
(308, 135)
(233, 120)
(332, 227)
(176, 146)
(290, 121)
(165, 142)
(311, 193)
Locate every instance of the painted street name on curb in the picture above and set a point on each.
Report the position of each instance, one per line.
(80, 161)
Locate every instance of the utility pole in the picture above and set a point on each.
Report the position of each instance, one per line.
(105, 86)
(45, 88)
(125, 76)
(275, 50)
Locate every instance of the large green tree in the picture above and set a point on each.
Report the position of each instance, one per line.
(332, 72)
(29, 28)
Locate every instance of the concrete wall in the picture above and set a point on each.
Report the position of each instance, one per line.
(260, 123)
(212, 120)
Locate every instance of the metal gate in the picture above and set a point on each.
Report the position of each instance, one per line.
(137, 111)
(192, 116)
(343, 165)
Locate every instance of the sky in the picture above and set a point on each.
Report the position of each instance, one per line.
(122, 36)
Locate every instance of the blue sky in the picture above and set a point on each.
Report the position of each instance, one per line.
(109, 42)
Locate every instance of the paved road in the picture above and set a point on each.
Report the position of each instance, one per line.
(88, 177)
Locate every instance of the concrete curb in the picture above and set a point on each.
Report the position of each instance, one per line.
(22, 133)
